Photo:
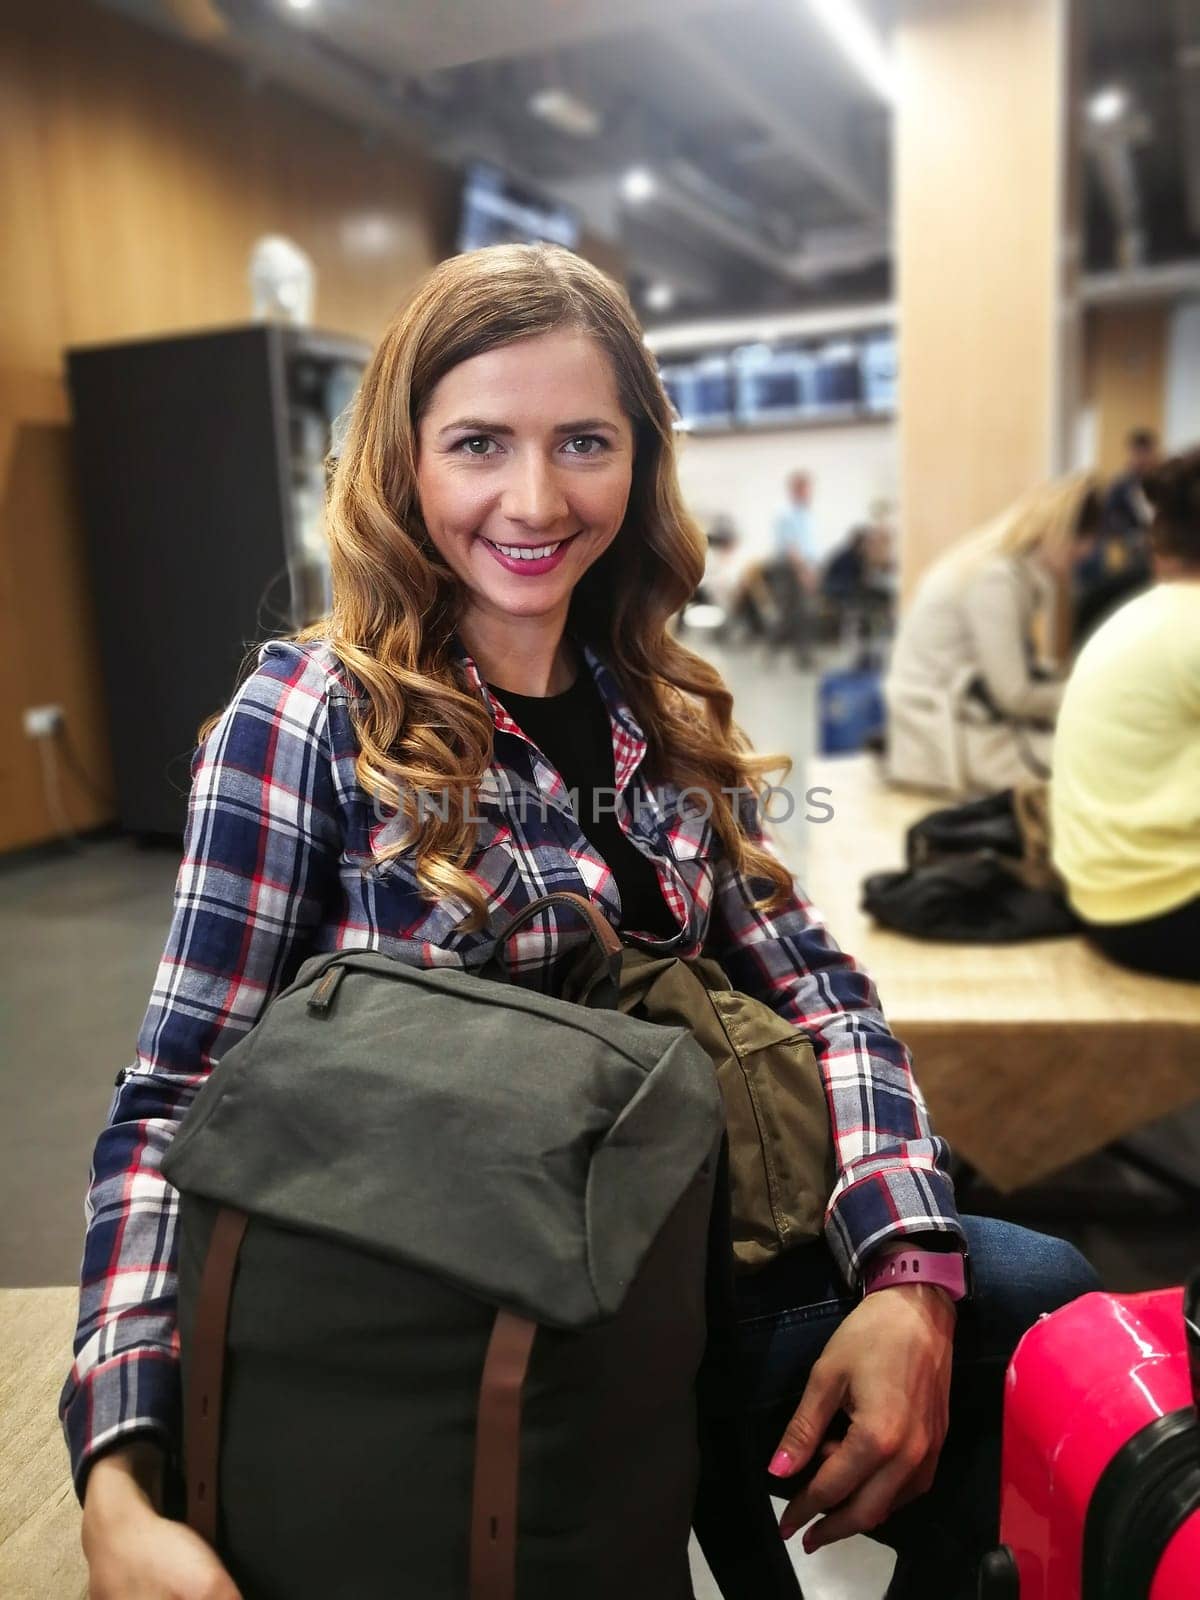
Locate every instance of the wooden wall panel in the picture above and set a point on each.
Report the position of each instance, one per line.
(163, 166)
(30, 292)
(135, 175)
(981, 194)
(1126, 376)
(50, 632)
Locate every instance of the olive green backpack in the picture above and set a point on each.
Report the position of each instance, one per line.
(452, 1320)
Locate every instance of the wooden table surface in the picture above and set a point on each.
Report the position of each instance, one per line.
(1029, 1055)
(40, 1554)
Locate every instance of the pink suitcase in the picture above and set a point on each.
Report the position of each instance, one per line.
(1101, 1462)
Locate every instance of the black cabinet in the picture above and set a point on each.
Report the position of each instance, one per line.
(202, 471)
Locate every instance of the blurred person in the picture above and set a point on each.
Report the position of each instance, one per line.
(1120, 564)
(1125, 795)
(723, 563)
(881, 548)
(786, 584)
(790, 588)
(970, 708)
(461, 425)
(1127, 507)
(721, 583)
(863, 566)
(753, 613)
(847, 571)
(771, 604)
(794, 538)
(882, 569)
(858, 586)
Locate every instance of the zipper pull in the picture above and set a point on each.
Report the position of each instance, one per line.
(320, 1000)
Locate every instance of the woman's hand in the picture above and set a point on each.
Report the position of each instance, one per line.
(887, 1366)
(132, 1551)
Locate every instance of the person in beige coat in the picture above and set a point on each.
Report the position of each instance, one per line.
(970, 707)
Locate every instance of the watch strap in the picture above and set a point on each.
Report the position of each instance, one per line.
(912, 1265)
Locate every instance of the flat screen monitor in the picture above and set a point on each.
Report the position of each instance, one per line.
(879, 372)
(702, 391)
(496, 209)
(774, 383)
(838, 379)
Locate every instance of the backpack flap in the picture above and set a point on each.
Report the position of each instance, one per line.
(525, 1149)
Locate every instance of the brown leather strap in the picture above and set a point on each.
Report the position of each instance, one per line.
(498, 1459)
(603, 929)
(202, 1414)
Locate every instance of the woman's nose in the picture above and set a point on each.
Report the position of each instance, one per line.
(533, 495)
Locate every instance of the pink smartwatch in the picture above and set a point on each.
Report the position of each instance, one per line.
(941, 1269)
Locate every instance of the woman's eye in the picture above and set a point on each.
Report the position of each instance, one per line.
(480, 445)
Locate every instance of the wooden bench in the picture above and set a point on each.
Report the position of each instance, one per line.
(40, 1554)
(1029, 1055)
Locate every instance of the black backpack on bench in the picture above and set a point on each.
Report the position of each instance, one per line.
(443, 1298)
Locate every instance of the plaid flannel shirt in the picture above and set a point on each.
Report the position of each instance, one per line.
(278, 864)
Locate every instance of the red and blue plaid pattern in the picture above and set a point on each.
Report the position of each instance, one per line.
(278, 864)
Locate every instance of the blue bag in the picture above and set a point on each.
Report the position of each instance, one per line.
(850, 709)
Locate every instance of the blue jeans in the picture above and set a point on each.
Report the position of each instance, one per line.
(786, 1315)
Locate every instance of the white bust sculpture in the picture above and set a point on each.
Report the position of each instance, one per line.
(282, 280)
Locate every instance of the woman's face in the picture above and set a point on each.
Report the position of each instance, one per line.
(525, 450)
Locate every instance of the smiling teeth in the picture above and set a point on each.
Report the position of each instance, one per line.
(524, 552)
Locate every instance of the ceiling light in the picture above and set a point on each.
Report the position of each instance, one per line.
(566, 112)
(638, 184)
(377, 233)
(660, 297)
(859, 43)
(300, 5)
(1108, 105)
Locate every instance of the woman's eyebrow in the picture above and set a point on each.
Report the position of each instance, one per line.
(588, 424)
(481, 426)
(474, 424)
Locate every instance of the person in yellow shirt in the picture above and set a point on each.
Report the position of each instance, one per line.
(1125, 796)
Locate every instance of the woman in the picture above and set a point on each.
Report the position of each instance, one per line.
(969, 709)
(1125, 798)
(508, 544)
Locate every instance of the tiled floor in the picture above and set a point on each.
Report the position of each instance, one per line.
(81, 932)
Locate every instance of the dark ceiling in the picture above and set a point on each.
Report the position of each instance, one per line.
(771, 154)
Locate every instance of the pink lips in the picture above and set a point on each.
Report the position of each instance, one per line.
(530, 569)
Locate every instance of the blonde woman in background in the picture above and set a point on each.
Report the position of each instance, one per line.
(970, 708)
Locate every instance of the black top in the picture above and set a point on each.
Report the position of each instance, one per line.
(573, 731)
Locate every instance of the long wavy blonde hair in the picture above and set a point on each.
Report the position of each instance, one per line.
(396, 604)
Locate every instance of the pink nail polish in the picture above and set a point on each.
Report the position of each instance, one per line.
(782, 1465)
(784, 1531)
